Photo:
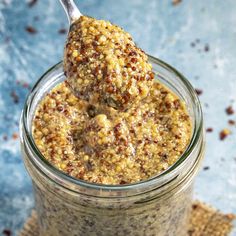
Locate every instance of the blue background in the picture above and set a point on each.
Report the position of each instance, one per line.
(196, 37)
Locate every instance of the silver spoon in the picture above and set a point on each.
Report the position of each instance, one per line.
(72, 11)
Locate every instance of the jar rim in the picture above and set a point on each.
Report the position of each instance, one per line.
(39, 158)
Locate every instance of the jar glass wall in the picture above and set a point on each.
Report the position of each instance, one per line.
(157, 206)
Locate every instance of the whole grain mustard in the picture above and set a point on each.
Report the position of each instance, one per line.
(113, 148)
(103, 64)
(109, 122)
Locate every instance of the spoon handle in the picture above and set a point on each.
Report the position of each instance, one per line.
(71, 10)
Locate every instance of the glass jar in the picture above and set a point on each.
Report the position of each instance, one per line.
(155, 207)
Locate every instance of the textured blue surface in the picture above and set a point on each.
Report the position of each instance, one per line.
(196, 37)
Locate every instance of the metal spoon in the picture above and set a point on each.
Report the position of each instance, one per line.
(71, 10)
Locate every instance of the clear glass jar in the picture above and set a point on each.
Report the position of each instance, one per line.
(155, 207)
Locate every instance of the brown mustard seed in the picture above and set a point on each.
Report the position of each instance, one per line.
(15, 97)
(15, 136)
(206, 168)
(62, 31)
(209, 130)
(231, 122)
(198, 91)
(224, 133)
(30, 29)
(7, 232)
(32, 3)
(229, 110)
(176, 2)
(207, 48)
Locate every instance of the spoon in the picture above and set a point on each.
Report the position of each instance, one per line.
(102, 64)
(71, 10)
